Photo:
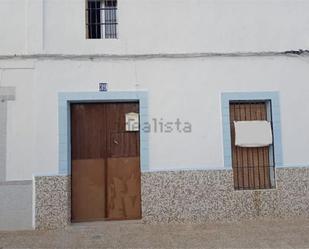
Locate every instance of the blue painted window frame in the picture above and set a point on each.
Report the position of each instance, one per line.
(274, 99)
(66, 98)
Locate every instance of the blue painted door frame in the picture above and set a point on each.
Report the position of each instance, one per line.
(66, 98)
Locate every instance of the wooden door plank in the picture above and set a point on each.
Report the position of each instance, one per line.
(88, 131)
(88, 153)
(88, 190)
(123, 164)
(124, 188)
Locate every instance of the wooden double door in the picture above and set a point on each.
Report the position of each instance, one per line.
(106, 178)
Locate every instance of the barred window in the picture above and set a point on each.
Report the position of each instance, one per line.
(101, 19)
(253, 167)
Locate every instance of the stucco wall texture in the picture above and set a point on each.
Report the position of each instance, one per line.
(188, 197)
(16, 205)
(213, 26)
(189, 89)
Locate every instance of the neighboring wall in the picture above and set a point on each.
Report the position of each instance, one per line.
(6, 94)
(16, 205)
(157, 26)
(17, 121)
(3, 108)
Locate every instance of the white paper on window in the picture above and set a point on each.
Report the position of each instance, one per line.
(253, 133)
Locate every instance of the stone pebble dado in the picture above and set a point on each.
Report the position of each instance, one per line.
(187, 197)
(52, 201)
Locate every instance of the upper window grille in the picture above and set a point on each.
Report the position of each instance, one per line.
(101, 19)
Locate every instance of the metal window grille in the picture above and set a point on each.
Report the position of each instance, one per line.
(101, 19)
(253, 168)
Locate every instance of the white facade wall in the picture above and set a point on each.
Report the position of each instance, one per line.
(157, 26)
(187, 88)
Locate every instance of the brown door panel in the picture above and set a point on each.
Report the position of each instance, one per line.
(124, 188)
(88, 189)
(88, 131)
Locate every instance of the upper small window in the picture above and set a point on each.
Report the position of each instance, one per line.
(101, 19)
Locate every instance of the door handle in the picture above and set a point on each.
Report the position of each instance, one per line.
(115, 142)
